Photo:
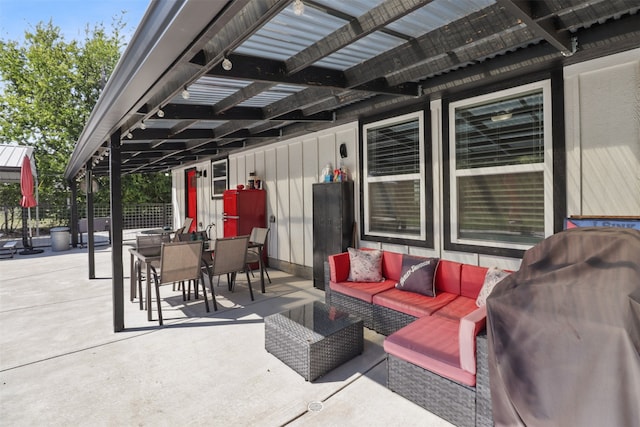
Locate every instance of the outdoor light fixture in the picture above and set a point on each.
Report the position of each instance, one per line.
(160, 113)
(501, 117)
(142, 125)
(226, 64)
(343, 150)
(185, 94)
(130, 135)
(298, 7)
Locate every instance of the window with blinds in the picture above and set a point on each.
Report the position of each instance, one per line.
(394, 178)
(394, 149)
(500, 177)
(501, 208)
(218, 178)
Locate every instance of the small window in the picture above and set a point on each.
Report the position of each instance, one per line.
(218, 178)
(501, 168)
(394, 184)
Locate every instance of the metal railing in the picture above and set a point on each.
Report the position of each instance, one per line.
(45, 217)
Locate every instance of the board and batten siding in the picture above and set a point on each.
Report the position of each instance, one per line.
(288, 170)
(602, 106)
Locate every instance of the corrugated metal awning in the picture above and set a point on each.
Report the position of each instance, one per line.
(202, 79)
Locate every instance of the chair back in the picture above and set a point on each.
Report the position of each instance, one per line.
(176, 235)
(187, 224)
(259, 235)
(180, 261)
(230, 255)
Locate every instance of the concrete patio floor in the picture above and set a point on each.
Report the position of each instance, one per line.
(61, 364)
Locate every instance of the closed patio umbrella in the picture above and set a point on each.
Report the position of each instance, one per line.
(26, 184)
(28, 201)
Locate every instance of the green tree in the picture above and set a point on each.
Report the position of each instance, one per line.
(48, 87)
(147, 188)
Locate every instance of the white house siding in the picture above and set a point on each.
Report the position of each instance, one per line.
(283, 218)
(177, 196)
(288, 170)
(296, 204)
(603, 135)
(310, 174)
(602, 120)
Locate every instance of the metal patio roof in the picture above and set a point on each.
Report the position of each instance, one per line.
(293, 74)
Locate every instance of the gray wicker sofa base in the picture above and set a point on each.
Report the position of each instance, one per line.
(457, 403)
(355, 306)
(383, 320)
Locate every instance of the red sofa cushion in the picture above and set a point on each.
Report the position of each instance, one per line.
(362, 290)
(391, 265)
(411, 303)
(471, 280)
(448, 277)
(339, 267)
(431, 343)
(457, 308)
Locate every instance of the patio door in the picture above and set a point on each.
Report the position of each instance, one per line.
(191, 208)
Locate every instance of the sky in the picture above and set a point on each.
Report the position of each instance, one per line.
(72, 16)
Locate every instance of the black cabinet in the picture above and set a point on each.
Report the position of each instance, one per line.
(333, 221)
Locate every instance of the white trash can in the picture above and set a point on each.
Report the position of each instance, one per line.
(60, 238)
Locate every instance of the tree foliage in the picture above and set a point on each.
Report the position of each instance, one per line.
(47, 91)
(146, 188)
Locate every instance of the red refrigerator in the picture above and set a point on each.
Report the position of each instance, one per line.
(243, 210)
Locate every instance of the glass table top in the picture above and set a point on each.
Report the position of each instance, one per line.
(320, 318)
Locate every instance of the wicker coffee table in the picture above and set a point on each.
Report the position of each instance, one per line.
(313, 338)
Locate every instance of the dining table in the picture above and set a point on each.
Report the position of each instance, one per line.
(148, 256)
(162, 231)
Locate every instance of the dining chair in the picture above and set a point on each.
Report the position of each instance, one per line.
(179, 262)
(206, 258)
(230, 258)
(258, 236)
(187, 224)
(147, 243)
(182, 230)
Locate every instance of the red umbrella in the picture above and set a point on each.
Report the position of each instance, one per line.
(28, 201)
(26, 184)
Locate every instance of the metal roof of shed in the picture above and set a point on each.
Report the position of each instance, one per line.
(11, 161)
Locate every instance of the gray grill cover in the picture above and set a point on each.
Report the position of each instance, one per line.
(564, 333)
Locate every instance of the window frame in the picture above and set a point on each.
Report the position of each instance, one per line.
(215, 178)
(452, 240)
(425, 237)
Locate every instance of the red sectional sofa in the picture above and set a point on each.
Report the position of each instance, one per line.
(431, 341)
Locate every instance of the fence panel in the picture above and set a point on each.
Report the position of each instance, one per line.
(150, 215)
